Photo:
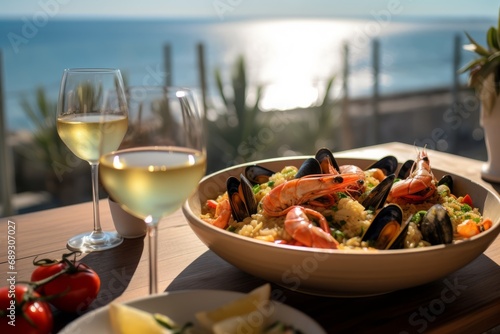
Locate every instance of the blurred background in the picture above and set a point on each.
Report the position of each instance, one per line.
(273, 79)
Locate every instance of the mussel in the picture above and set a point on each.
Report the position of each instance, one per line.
(388, 165)
(385, 228)
(436, 226)
(446, 180)
(327, 161)
(241, 197)
(257, 174)
(399, 241)
(377, 196)
(309, 167)
(405, 169)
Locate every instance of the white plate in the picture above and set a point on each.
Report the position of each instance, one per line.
(181, 307)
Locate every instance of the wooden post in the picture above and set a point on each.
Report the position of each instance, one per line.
(6, 176)
(457, 48)
(453, 138)
(376, 90)
(202, 77)
(167, 63)
(347, 131)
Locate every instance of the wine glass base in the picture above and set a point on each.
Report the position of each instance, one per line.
(94, 241)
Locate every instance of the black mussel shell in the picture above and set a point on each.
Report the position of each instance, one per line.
(405, 169)
(447, 180)
(385, 227)
(248, 195)
(257, 174)
(241, 198)
(436, 226)
(378, 195)
(310, 166)
(399, 242)
(326, 160)
(388, 165)
(237, 202)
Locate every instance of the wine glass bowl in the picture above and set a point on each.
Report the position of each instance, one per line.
(160, 161)
(92, 120)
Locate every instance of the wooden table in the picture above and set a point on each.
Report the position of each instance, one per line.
(186, 263)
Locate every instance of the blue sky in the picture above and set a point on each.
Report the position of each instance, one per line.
(241, 8)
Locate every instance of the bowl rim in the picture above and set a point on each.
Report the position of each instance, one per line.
(186, 208)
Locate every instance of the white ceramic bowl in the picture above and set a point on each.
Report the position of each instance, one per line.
(127, 225)
(340, 272)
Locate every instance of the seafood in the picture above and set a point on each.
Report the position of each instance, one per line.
(222, 214)
(419, 185)
(327, 162)
(257, 174)
(399, 241)
(299, 191)
(384, 167)
(436, 226)
(310, 166)
(405, 169)
(377, 196)
(241, 197)
(385, 227)
(446, 180)
(298, 225)
(324, 205)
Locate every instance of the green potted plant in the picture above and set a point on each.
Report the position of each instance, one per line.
(484, 76)
(484, 71)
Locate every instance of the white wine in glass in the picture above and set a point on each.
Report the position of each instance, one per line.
(92, 120)
(160, 161)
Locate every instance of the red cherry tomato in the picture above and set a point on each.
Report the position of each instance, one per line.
(27, 317)
(75, 289)
(467, 200)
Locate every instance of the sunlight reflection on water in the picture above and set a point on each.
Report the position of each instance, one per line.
(291, 58)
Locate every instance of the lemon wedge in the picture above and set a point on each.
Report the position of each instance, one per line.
(129, 320)
(232, 315)
(238, 324)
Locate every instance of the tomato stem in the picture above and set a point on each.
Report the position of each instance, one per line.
(70, 268)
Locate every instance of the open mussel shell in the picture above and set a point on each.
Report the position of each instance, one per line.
(405, 169)
(327, 161)
(378, 195)
(241, 197)
(310, 166)
(257, 174)
(388, 165)
(248, 195)
(436, 226)
(399, 241)
(385, 227)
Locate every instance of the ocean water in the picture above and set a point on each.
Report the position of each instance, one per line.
(291, 58)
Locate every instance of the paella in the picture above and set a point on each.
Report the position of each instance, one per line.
(321, 204)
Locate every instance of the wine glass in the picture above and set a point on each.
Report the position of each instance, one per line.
(92, 106)
(160, 161)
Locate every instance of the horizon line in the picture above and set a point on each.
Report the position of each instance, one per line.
(250, 17)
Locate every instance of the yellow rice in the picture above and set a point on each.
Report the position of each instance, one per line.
(348, 216)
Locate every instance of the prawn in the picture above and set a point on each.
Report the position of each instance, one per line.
(222, 214)
(419, 185)
(298, 225)
(298, 191)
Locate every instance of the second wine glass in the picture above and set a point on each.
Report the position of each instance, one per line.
(161, 160)
(92, 120)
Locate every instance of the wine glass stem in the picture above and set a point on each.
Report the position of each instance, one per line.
(153, 262)
(95, 196)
